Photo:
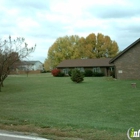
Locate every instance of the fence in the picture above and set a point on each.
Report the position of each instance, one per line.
(24, 72)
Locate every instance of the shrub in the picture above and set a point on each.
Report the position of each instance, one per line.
(69, 73)
(77, 76)
(57, 73)
(112, 74)
(98, 74)
(60, 74)
(88, 73)
(43, 71)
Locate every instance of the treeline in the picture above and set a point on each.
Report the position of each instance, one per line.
(75, 47)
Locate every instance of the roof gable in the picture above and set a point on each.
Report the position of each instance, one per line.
(124, 51)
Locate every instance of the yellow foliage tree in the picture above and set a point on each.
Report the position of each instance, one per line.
(63, 48)
(74, 47)
(47, 65)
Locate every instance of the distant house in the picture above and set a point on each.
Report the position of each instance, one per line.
(96, 65)
(127, 63)
(30, 65)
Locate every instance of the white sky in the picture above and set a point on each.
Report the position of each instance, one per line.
(41, 22)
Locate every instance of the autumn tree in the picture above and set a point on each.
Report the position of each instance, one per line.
(99, 46)
(105, 47)
(11, 52)
(47, 65)
(73, 47)
(63, 48)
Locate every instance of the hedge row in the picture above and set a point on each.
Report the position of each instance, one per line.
(90, 73)
(87, 73)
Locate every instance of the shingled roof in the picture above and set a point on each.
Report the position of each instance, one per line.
(102, 62)
(124, 51)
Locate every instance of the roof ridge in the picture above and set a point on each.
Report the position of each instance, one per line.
(125, 50)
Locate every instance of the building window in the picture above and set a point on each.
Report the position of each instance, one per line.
(97, 69)
(66, 71)
(111, 69)
(81, 69)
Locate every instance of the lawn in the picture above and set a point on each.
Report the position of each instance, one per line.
(55, 107)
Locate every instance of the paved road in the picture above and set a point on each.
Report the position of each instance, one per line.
(12, 136)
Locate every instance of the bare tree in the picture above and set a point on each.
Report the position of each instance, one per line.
(12, 51)
(27, 69)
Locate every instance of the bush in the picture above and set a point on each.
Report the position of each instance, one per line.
(77, 76)
(112, 74)
(98, 74)
(43, 71)
(88, 73)
(69, 72)
(57, 73)
(60, 74)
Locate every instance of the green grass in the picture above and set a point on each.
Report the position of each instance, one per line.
(98, 108)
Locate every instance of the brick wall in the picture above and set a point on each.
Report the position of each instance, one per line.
(128, 65)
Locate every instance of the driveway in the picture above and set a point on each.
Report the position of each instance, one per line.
(5, 135)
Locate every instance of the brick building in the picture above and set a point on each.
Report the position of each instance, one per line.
(96, 65)
(127, 63)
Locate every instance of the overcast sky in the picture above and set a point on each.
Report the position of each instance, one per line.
(41, 22)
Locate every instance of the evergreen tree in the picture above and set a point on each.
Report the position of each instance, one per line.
(77, 76)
